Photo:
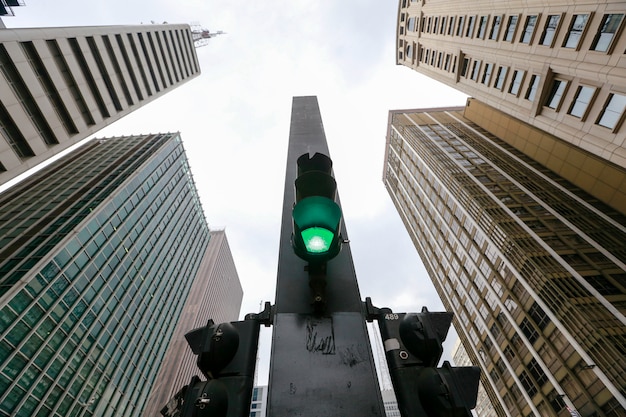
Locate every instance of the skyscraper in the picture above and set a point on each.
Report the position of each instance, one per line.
(533, 267)
(258, 405)
(484, 407)
(60, 85)
(216, 294)
(98, 253)
(6, 8)
(558, 65)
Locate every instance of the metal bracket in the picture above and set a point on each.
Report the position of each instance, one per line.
(372, 312)
(265, 317)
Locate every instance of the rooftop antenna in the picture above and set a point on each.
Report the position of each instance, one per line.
(201, 35)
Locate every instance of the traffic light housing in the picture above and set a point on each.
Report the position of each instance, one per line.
(227, 358)
(316, 215)
(413, 346)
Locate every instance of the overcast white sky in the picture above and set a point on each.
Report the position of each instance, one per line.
(234, 121)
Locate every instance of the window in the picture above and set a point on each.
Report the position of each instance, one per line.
(464, 67)
(516, 82)
(606, 32)
(495, 27)
(475, 70)
(451, 26)
(537, 372)
(482, 27)
(532, 87)
(459, 28)
(442, 29)
(487, 74)
(500, 77)
(528, 384)
(547, 37)
(509, 353)
(470, 26)
(581, 101)
(529, 29)
(613, 111)
(410, 26)
(539, 316)
(579, 21)
(409, 52)
(511, 25)
(447, 63)
(556, 92)
(529, 331)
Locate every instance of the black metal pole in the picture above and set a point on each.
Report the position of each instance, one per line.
(321, 364)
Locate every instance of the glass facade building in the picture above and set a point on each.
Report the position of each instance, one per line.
(533, 267)
(98, 253)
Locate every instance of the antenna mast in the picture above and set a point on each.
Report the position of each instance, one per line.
(201, 35)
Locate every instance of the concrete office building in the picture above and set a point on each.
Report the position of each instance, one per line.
(6, 8)
(98, 253)
(390, 402)
(60, 85)
(484, 407)
(533, 267)
(258, 405)
(557, 65)
(216, 294)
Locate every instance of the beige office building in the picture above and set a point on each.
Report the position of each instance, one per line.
(533, 267)
(558, 65)
(484, 407)
(216, 294)
(60, 85)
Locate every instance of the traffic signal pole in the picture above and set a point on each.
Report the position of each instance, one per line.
(321, 361)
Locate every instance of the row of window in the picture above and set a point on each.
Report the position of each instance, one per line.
(505, 28)
(609, 116)
(173, 44)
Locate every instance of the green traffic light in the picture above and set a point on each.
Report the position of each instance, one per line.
(317, 239)
(316, 224)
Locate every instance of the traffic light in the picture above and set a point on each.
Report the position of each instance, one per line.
(413, 345)
(227, 358)
(316, 215)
